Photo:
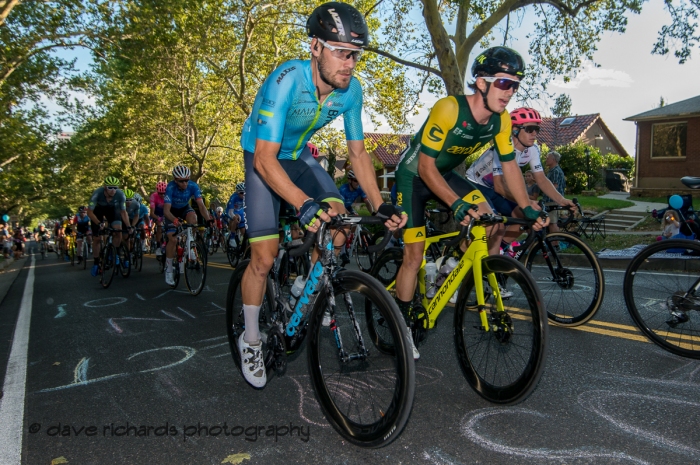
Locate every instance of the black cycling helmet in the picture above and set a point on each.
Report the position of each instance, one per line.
(499, 60)
(342, 18)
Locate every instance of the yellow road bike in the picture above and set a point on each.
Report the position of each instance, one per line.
(501, 341)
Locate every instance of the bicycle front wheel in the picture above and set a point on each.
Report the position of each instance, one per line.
(662, 293)
(195, 268)
(85, 253)
(107, 265)
(138, 256)
(387, 265)
(504, 362)
(366, 394)
(124, 260)
(569, 277)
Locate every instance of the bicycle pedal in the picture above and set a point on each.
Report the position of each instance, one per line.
(677, 318)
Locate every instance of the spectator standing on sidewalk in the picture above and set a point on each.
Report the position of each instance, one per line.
(558, 179)
(5, 241)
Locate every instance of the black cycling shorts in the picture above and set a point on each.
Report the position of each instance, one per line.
(263, 204)
(177, 213)
(110, 212)
(413, 195)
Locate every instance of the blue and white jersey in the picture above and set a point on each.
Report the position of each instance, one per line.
(179, 198)
(143, 211)
(287, 110)
(350, 196)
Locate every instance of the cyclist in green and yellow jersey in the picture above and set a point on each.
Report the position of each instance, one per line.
(457, 127)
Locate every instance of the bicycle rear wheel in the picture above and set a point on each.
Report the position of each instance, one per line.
(195, 268)
(367, 395)
(137, 256)
(124, 260)
(85, 253)
(569, 277)
(232, 253)
(662, 294)
(387, 265)
(504, 364)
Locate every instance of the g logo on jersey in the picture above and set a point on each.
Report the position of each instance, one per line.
(433, 133)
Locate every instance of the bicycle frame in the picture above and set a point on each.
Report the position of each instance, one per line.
(471, 259)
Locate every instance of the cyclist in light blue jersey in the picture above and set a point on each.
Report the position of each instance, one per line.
(177, 206)
(296, 100)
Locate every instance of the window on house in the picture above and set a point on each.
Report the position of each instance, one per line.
(567, 121)
(668, 140)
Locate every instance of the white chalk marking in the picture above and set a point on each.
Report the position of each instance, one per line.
(61, 311)
(138, 296)
(109, 302)
(186, 312)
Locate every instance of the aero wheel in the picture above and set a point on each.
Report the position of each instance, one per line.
(502, 363)
(235, 322)
(387, 265)
(85, 252)
(107, 265)
(569, 277)
(137, 256)
(662, 293)
(195, 268)
(365, 394)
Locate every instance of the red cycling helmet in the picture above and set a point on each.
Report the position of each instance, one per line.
(314, 149)
(524, 115)
(160, 187)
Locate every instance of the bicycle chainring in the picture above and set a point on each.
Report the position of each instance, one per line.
(277, 352)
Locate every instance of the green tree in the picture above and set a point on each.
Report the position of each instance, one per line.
(679, 36)
(566, 32)
(562, 106)
(576, 166)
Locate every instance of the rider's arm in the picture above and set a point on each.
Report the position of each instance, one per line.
(549, 190)
(166, 212)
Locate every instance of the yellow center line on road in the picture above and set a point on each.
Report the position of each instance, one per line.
(214, 264)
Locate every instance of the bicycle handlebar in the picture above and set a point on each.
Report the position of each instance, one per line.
(487, 219)
(341, 220)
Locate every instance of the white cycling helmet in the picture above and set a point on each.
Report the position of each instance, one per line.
(240, 187)
(181, 172)
(219, 209)
(138, 198)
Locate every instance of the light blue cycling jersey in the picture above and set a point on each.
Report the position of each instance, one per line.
(287, 110)
(180, 198)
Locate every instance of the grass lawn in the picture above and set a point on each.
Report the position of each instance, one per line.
(599, 205)
(696, 200)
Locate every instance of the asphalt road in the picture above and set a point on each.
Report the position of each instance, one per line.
(140, 374)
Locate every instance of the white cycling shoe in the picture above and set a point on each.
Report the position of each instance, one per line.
(252, 362)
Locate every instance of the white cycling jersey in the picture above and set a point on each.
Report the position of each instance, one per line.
(488, 165)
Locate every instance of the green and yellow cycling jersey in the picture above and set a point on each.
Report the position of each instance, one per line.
(450, 135)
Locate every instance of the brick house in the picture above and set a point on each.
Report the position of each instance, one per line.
(668, 147)
(591, 129)
(385, 150)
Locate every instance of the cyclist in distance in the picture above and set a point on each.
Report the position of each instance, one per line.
(82, 225)
(487, 171)
(235, 209)
(157, 201)
(456, 127)
(107, 202)
(295, 101)
(351, 191)
(176, 206)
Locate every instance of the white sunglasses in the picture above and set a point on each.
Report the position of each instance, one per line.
(337, 51)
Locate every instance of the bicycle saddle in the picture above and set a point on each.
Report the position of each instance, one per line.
(691, 181)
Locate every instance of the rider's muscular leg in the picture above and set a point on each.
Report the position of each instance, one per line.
(253, 283)
(408, 273)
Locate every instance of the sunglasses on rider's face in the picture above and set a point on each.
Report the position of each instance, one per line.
(531, 129)
(343, 53)
(180, 181)
(112, 188)
(503, 83)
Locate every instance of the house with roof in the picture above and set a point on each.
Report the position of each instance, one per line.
(668, 147)
(591, 129)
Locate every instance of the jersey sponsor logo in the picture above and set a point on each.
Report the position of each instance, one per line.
(334, 104)
(262, 122)
(459, 150)
(303, 112)
(304, 299)
(268, 102)
(338, 21)
(413, 155)
(435, 133)
(284, 73)
(487, 135)
(332, 114)
(399, 198)
(458, 132)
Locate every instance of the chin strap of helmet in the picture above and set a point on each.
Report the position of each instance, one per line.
(484, 94)
(517, 136)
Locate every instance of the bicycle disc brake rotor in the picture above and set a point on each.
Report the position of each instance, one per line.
(565, 278)
(502, 327)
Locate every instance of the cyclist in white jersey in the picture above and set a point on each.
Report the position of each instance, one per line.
(487, 172)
